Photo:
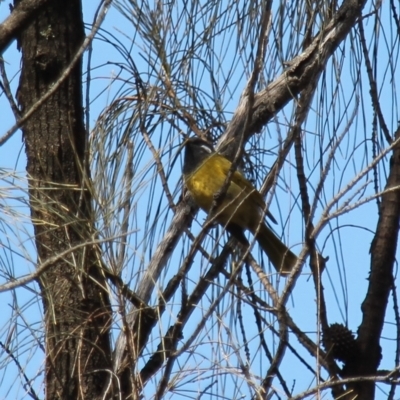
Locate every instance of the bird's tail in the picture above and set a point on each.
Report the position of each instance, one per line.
(281, 257)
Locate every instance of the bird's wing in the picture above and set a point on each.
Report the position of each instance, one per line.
(239, 180)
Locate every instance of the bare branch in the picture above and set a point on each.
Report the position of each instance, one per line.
(20, 17)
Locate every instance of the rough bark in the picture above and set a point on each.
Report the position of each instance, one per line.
(75, 299)
(19, 19)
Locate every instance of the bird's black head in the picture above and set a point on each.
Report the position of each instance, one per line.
(196, 151)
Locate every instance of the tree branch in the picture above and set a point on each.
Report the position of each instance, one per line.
(383, 250)
(20, 17)
(300, 71)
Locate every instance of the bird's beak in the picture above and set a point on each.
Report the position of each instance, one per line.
(183, 144)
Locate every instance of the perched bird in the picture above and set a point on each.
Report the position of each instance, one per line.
(242, 207)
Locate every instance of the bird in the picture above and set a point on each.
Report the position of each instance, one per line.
(241, 208)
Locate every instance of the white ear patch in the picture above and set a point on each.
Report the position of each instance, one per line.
(206, 148)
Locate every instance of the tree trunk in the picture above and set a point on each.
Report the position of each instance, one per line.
(74, 291)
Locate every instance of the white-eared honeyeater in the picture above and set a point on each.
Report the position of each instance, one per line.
(242, 207)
